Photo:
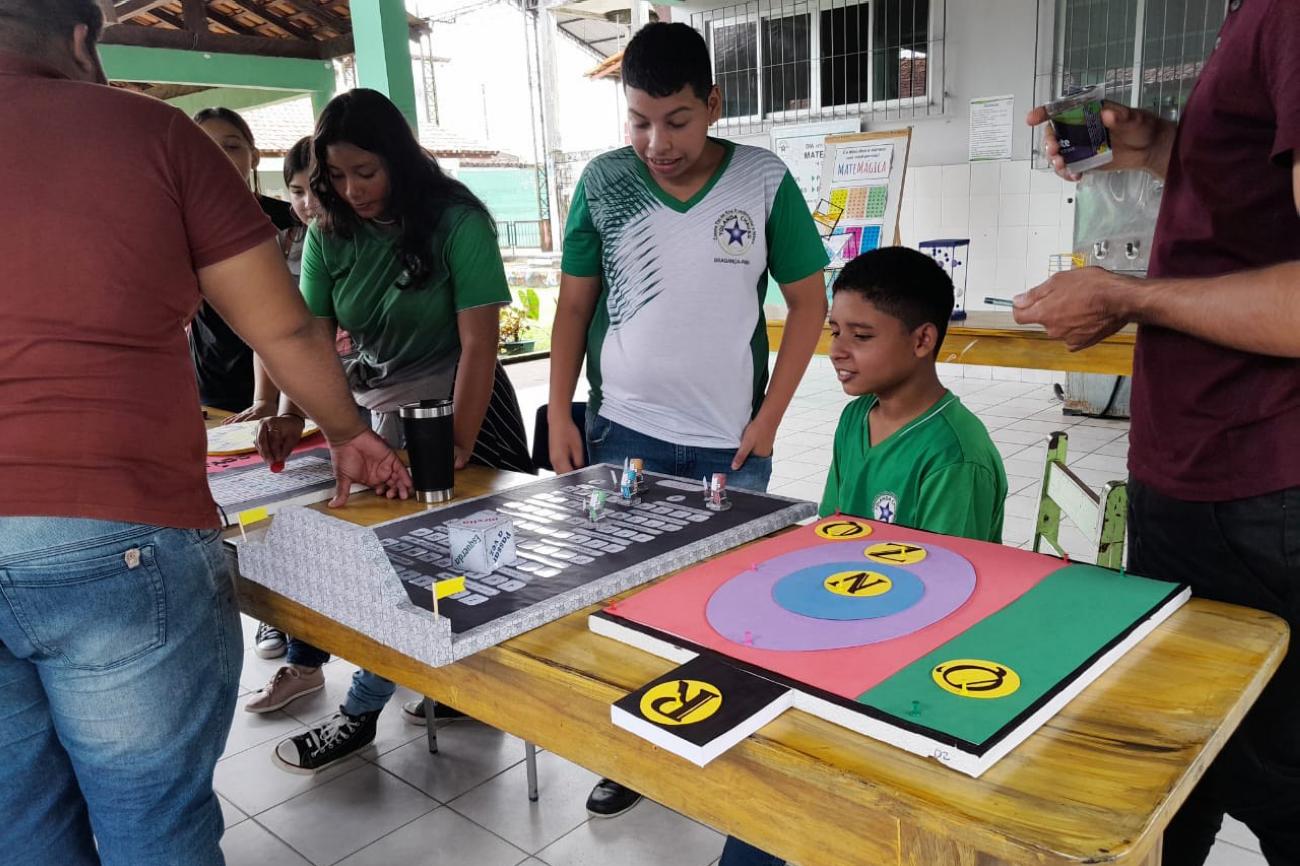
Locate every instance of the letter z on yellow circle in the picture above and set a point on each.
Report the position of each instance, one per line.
(681, 702)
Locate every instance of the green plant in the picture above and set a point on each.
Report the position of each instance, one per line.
(511, 324)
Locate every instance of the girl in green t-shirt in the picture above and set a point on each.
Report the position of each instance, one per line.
(405, 259)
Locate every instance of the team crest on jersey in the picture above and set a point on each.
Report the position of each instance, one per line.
(885, 507)
(734, 232)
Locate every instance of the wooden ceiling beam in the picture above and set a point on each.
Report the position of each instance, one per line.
(128, 9)
(322, 14)
(169, 17)
(258, 46)
(233, 24)
(285, 23)
(195, 15)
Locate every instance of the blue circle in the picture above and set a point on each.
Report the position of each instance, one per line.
(804, 592)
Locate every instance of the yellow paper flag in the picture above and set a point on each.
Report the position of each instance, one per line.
(253, 515)
(451, 586)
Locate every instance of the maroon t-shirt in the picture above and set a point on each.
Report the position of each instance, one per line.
(111, 201)
(1212, 423)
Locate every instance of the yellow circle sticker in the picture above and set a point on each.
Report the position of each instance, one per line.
(976, 678)
(843, 529)
(681, 702)
(858, 584)
(895, 553)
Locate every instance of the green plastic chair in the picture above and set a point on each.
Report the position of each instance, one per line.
(1100, 516)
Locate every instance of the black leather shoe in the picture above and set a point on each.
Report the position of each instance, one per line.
(609, 798)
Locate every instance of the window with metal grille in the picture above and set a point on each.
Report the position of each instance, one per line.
(1148, 53)
(797, 59)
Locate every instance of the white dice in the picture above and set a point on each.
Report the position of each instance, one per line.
(481, 542)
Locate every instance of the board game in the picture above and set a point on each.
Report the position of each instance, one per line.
(948, 648)
(380, 579)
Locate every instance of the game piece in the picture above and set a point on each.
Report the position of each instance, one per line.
(596, 506)
(717, 498)
(444, 588)
(481, 542)
(639, 466)
(953, 649)
(628, 487)
(378, 580)
(277, 467)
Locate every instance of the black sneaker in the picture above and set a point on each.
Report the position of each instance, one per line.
(609, 798)
(270, 642)
(413, 712)
(332, 740)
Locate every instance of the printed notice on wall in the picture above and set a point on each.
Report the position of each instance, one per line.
(990, 127)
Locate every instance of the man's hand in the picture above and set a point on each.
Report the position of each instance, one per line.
(462, 456)
(1080, 307)
(278, 436)
(367, 459)
(758, 440)
(1139, 139)
(256, 412)
(565, 444)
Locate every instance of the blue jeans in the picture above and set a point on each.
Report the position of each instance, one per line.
(302, 653)
(738, 853)
(608, 442)
(368, 693)
(120, 652)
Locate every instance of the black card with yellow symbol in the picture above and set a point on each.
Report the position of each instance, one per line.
(701, 709)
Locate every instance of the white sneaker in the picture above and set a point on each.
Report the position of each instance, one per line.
(288, 684)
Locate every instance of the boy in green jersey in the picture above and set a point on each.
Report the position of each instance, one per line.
(906, 450)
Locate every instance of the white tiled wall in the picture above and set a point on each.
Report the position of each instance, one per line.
(1016, 219)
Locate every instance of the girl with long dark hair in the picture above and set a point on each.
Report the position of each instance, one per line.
(223, 362)
(405, 259)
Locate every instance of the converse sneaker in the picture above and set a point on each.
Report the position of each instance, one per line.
(413, 712)
(289, 683)
(332, 740)
(270, 642)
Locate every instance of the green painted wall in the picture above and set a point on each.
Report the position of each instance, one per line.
(259, 75)
(509, 193)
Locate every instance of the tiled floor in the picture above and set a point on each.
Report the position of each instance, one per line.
(395, 803)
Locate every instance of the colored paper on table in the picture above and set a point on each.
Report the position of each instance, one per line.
(444, 588)
(253, 515)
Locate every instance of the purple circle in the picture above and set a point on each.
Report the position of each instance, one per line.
(743, 610)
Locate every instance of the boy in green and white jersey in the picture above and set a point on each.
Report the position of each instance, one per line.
(906, 451)
(667, 253)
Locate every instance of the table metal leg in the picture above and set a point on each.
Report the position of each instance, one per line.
(530, 762)
(431, 729)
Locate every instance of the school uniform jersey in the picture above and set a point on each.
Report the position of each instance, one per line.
(677, 348)
(939, 473)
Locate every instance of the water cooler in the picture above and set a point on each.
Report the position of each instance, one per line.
(1114, 223)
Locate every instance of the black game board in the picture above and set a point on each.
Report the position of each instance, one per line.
(560, 550)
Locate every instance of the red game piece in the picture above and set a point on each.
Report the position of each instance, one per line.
(277, 466)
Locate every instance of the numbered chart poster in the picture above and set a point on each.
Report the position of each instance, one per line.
(862, 186)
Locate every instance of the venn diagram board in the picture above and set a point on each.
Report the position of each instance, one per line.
(949, 648)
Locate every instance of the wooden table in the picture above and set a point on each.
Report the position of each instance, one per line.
(1096, 785)
(994, 339)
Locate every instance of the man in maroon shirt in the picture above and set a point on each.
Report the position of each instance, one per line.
(120, 644)
(1215, 456)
